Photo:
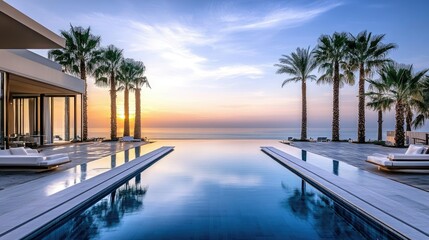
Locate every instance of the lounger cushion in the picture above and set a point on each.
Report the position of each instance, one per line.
(414, 149)
(4, 152)
(408, 157)
(31, 151)
(386, 163)
(381, 161)
(18, 151)
(34, 161)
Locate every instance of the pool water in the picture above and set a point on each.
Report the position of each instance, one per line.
(218, 189)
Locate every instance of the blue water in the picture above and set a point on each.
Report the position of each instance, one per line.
(210, 189)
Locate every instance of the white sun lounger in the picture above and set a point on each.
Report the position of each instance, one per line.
(21, 157)
(414, 158)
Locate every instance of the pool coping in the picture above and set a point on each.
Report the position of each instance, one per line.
(405, 221)
(31, 219)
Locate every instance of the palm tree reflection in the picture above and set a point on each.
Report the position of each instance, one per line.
(137, 151)
(127, 155)
(105, 214)
(335, 166)
(299, 201)
(304, 155)
(113, 161)
(327, 216)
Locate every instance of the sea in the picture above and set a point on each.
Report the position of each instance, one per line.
(239, 133)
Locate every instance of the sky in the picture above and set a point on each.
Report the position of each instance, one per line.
(211, 63)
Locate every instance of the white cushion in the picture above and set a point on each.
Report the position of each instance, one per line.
(18, 151)
(409, 157)
(414, 149)
(4, 152)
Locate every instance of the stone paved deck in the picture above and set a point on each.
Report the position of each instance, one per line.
(356, 154)
(78, 152)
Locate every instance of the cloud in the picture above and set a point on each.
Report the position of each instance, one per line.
(176, 43)
(283, 18)
(180, 51)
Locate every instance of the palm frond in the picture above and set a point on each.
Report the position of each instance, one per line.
(298, 64)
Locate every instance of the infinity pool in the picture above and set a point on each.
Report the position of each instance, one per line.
(217, 189)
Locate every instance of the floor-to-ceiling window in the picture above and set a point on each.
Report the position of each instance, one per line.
(3, 102)
(24, 125)
(43, 119)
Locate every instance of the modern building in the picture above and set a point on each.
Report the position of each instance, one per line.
(34, 91)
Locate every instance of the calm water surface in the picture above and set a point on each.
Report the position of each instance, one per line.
(237, 133)
(212, 189)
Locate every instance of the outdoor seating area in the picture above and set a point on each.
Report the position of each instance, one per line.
(31, 158)
(26, 140)
(322, 139)
(415, 157)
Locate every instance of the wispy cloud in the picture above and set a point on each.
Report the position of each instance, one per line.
(176, 44)
(284, 18)
(181, 48)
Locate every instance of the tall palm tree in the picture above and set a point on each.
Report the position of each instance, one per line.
(331, 53)
(129, 71)
(299, 64)
(401, 85)
(106, 72)
(379, 102)
(369, 53)
(139, 82)
(79, 57)
(422, 108)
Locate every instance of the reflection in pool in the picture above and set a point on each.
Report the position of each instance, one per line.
(215, 189)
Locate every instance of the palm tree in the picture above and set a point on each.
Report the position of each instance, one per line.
(380, 103)
(422, 108)
(139, 82)
(129, 71)
(401, 85)
(106, 72)
(299, 64)
(79, 57)
(367, 52)
(331, 53)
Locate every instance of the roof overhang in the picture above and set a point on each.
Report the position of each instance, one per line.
(19, 31)
(24, 65)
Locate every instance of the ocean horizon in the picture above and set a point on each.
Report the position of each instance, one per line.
(238, 133)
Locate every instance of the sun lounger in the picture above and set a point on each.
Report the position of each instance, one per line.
(322, 139)
(129, 139)
(21, 157)
(414, 158)
(286, 142)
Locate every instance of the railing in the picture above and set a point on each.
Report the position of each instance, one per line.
(420, 140)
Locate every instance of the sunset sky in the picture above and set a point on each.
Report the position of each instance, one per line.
(210, 63)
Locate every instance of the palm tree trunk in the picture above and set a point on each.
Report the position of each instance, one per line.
(304, 111)
(113, 125)
(336, 108)
(361, 116)
(66, 118)
(84, 102)
(137, 120)
(126, 112)
(399, 126)
(409, 118)
(380, 125)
